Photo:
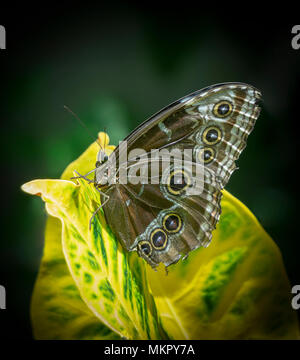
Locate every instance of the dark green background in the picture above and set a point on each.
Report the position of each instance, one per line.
(115, 67)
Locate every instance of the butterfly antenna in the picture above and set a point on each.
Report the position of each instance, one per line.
(105, 128)
(82, 124)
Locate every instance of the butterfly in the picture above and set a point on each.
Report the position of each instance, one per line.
(164, 220)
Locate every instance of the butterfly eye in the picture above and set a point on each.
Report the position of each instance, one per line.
(212, 135)
(178, 181)
(222, 109)
(145, 248)
(159, 239)
(206, 155)
(105, 158)
(172, 223)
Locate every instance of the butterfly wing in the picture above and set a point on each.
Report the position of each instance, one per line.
(165, 221)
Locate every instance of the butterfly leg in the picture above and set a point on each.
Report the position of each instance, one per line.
(95, 212)
(84, 176)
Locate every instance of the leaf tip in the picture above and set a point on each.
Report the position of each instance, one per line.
(30, 188)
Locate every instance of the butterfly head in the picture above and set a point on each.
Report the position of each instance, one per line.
(102, 168)
(102, 157)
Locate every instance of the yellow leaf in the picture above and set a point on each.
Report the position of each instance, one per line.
(111, 282)
(57, 309)
(236, 288)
